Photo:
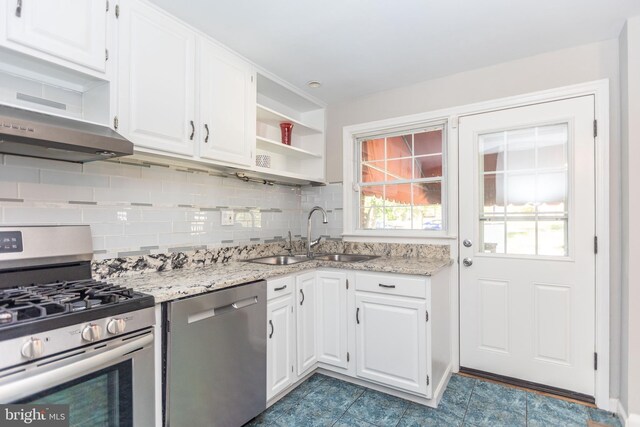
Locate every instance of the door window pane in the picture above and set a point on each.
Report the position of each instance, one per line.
(530, 167)
(493, 236)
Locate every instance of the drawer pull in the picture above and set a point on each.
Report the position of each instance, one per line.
(281, 288)
(358, 315)
(386, 286)
(302, 293)
(272, 329)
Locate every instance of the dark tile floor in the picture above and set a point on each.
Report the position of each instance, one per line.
(325, 401)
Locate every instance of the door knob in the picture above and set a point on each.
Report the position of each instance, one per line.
(467, 243)
(468, 262)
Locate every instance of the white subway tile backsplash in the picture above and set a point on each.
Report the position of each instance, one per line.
(111, 214)
(58, 193)
(42, 215)
(31, 162)
(19, 174)
(74, 179)
(8, 190)
(124, 242)
(122, 195)
(153, 208)
(133, 228)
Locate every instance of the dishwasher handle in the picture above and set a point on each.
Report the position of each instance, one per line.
(217, 311)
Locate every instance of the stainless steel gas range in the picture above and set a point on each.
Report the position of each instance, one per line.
(67, 339)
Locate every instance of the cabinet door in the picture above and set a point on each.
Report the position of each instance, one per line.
(156, 80)
(73, 30)
(306, 326)
(280, 342)
(331, 294)
(391, 341)
(227, 95)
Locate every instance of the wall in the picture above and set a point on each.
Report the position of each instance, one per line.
(629, 135)
(142, 209)
(549, 70)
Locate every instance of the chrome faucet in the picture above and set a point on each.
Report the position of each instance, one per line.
(313, 243)
(290, 247)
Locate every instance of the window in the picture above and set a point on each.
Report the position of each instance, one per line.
(524, 180)
(400, 179)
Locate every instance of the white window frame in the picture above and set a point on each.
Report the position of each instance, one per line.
(351, 168)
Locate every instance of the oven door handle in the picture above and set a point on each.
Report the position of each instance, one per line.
(27, 386)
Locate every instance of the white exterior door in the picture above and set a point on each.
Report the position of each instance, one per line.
(391, 341)
(227, 106)
(306, 323)
(74, 30)
(527, 262)
(331, 294)
(280, 351)
(156, 72)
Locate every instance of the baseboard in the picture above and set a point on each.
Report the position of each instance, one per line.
(628, 420)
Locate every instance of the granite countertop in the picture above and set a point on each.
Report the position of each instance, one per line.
(180, 283)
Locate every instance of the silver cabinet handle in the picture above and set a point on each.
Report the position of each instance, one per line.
(193, 130)
(386, 286)
(272, 329)
(206, 138)
(468, 262)
(281, 288)
(19, 8)
(358, 315)
(302, 293)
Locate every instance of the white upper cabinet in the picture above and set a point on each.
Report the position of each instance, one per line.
(71, 30)
(227, 99)
(156, 87)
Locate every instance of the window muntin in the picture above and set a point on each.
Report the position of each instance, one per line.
(524, 191)
(401, 180)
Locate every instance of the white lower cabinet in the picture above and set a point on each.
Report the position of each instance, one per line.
(394, 328)
(331, 306)
(306, 322)
(391, 341)
(280, 345)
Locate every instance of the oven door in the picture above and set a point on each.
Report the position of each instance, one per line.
(107, 384)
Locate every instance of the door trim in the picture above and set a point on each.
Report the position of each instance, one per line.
(600, 90)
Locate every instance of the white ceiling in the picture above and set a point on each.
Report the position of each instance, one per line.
(356, 47)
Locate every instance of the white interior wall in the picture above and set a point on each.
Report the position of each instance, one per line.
(546, 71)
(630, 154)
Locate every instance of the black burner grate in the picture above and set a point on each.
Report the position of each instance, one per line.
(27, 303)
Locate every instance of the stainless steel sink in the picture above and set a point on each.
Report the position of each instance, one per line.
(279, 259)
(345, 257)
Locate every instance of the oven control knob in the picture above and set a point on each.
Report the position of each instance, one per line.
(116, 326)
(33, 348)
(92, 333)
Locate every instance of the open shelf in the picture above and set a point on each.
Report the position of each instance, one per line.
(286, 174)
(273, 118)
(278, 147)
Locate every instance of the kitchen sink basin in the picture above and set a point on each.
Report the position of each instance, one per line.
(279, 259)
(345, 257)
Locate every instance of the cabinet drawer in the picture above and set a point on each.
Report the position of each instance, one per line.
(392, 284)
(279, 287)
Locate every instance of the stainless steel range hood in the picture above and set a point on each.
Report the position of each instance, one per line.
(27, 133)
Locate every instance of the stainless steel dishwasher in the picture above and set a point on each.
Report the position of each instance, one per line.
(216, 357)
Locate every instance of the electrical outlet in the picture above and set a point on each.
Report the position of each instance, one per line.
(227, 217)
